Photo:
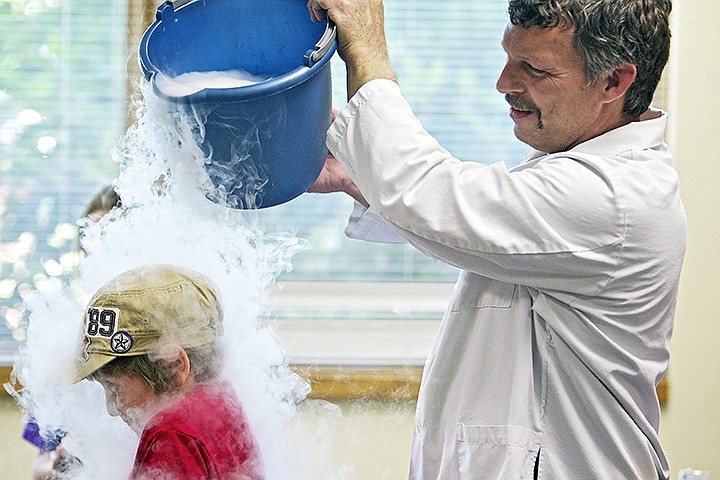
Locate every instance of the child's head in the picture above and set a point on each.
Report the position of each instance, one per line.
(150, 331)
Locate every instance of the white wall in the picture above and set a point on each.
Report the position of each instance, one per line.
(690, 429)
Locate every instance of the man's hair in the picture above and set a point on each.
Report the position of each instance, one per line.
(607, 34)
(205, 363)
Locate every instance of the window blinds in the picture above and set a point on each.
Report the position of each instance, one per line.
(61, 110)
(447, 55)
(63, 107)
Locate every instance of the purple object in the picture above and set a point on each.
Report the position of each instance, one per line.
(48, 442)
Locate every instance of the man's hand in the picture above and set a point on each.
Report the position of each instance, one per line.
(361, 38)
(333, 178)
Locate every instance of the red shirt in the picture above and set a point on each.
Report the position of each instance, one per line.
(204, 435)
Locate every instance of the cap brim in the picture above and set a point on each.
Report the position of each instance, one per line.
(85, 368)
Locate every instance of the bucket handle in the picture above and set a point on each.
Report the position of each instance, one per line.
(310, 58)
(176, 3)
(322, 46)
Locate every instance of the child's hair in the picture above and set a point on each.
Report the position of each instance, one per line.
(205, 363)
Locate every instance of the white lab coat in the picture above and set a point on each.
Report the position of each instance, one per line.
(558, 330)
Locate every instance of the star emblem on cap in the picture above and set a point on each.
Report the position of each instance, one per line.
(121, 342)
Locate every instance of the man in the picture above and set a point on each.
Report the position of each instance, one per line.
(547, 359)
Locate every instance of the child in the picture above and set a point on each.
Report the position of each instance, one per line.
(150, 339)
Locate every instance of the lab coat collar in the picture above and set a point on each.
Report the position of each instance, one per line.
(640, 135)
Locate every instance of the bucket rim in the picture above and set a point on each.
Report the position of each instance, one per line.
(261, 89)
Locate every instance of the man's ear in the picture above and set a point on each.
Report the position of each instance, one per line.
(620, 80)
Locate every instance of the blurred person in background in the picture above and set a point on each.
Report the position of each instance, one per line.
(101, 204)
(53, 461)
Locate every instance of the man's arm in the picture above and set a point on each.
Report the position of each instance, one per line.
(361, 38)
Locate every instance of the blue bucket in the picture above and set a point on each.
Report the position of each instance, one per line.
(265, 142)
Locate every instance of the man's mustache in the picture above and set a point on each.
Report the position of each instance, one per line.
(519, 104)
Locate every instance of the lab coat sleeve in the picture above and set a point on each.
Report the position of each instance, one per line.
(366, 224)
(558, 225)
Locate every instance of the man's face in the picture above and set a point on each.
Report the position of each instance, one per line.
(544, 82)
(128, 397)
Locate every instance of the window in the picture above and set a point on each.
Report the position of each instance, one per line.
(62, 101)
(63, 107)
(447, 55)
